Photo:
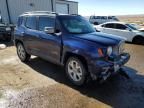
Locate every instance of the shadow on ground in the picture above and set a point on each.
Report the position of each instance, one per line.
(117, 92)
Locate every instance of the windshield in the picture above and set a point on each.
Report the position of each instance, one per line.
(76, 25)
(132, 26)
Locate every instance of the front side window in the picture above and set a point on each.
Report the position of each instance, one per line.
(109, 25)
(121, 27)
(92, 17)
(76, 25)
(46, 22)
(31, 23)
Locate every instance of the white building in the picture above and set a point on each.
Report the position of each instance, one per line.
(11, 9)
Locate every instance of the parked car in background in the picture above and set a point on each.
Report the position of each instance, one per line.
(96, 20)
(6, 30)
(70, 41)
(129, 31)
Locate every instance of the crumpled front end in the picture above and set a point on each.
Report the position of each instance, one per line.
(104, 67)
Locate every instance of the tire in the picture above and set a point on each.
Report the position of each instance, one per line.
(138, 40)
(76, 71)
(21, 52)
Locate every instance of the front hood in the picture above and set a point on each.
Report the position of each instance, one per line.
(141, 29)
(101, 38)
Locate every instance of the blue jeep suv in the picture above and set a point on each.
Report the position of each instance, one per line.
(69, 41)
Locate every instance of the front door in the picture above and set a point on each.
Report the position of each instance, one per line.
(50, 44)
(108, 28)
(123, 31)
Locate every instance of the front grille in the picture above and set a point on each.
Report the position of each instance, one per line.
(116, 50)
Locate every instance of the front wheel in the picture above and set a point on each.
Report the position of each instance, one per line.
(76, 71)
(138, 40)
(22, 54)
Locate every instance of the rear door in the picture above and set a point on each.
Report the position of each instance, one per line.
(124, 31)
(31, 35)
(108, 28)
(49, 44)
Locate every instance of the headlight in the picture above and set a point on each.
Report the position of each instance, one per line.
(121, 47)
(109, 50)
(8, 29)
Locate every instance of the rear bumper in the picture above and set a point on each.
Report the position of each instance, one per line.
(105, 68)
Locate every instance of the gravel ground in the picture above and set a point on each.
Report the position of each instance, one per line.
(40, 84)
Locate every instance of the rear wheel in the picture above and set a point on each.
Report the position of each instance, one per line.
(138, 40)
(21, 52)
(76, 71)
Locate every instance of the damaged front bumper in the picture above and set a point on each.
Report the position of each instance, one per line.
(104, 68)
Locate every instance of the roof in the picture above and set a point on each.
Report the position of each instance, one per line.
(42, 13)
(39, 13)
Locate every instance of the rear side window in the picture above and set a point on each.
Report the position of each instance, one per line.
(46, 22)
(97, 17)
(109, 25)
(31, 23)
(121, 27)
(103, 17)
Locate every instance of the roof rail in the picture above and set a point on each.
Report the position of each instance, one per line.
(37, 12)
(75, 14)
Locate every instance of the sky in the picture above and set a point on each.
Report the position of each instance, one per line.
(110, 7)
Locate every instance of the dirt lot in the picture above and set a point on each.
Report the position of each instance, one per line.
(40, 84)
(138, 19)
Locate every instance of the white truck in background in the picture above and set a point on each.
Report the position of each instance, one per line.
(96, 20)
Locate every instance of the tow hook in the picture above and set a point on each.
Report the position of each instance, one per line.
(124, 73)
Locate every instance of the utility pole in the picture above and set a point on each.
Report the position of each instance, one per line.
(52, 5)
(7, 6)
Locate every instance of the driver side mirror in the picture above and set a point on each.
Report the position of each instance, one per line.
(49, 30)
